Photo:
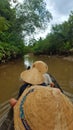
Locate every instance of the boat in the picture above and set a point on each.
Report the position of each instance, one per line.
(7, 120)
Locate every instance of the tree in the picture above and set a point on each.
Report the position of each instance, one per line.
(33, 15)
(11, 42)
(4, 25)
(70, 21)
(5, 10)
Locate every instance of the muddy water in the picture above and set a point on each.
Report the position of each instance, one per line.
(10, 82)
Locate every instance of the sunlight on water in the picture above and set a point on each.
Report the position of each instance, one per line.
(27, 61)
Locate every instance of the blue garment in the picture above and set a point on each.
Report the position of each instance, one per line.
(24, 86)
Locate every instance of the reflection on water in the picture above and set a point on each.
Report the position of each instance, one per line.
(28, 61)
(61, 69)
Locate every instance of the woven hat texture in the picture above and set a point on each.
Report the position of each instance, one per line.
(32, 76)
(44, 109)
(41, 66)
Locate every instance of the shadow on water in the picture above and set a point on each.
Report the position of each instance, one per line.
(10, 82)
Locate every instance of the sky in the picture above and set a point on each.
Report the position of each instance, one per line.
(60, 10)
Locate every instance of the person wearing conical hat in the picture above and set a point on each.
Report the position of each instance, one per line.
(29, 77)
(43, 68)
(43, 108)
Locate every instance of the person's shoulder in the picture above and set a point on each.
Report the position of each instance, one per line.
(24, 85)
(46, 74)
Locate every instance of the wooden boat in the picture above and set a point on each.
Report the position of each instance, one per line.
(7, 120)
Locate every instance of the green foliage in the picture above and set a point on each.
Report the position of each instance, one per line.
(40, 47)
(28, 49)
(16, 22)
(4, 25)
(58, 41)
(5, 10)
(33, 14)
(8, 51)
(1, 52)
(11, 41)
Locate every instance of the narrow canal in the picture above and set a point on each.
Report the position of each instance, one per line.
(10, 81)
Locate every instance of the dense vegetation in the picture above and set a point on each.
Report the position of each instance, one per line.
(23, 20)
(58, 41)
(10, 38)
(17, 22)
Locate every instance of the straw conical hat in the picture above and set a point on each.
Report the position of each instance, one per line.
(43, 108)
(41, 66)
(32, 76)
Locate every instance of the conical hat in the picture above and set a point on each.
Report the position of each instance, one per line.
(43, 108)
(32, 76)
(41, 66)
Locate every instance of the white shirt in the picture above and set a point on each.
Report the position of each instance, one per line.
(47, 78)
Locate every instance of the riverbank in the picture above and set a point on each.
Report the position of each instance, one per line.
(69, 58)
(10, 72)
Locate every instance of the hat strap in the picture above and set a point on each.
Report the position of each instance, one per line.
(22, 115)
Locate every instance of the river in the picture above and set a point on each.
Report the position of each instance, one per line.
(10, 81)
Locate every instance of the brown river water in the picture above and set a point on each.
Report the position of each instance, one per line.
(10, 81)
